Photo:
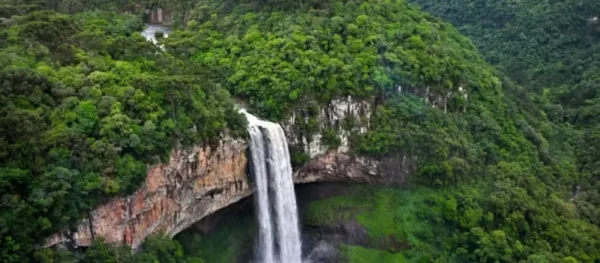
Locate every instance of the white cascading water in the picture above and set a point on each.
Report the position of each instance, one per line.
(279, 236)
(150, 32)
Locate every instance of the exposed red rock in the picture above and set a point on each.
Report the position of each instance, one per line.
(194, 184)
(199, 181)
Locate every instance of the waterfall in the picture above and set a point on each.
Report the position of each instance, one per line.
(150, 31)
(279, 236)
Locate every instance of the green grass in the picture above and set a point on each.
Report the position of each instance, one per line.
(357, 254)
(400, 224)
(397, 220)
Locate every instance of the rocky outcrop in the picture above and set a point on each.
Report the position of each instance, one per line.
(195, 183)
(336, 166)
(347, 116)
(332, 117)
(203, 180)
(339, 164)
(159, 16)
(439, 98)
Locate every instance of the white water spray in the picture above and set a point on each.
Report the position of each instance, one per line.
(279, 236)
(150, 32)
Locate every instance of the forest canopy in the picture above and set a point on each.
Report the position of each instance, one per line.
(278, 58)
(87, 103)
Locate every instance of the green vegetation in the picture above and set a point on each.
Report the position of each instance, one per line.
(455, 225)
(279, 60)
(359, 254)
(396, 220)
(514, 166)
(551, 49)
(532, 41)
(87, 103)
(155, 249)
(232, 239)
(507, 166)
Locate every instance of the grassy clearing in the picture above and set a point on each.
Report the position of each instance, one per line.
(357, 254)
(397, 221)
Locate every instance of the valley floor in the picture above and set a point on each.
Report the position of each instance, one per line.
(340, 223)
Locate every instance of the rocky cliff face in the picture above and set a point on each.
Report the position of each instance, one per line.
(159, 16)
(336, 166)
(336, 116)
(194, 184)
(199, 181)
(339, 164)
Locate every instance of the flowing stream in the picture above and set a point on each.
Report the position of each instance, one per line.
(279, 235)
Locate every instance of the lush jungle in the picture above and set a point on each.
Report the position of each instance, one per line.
(509, 173)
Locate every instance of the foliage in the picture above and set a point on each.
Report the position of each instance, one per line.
(298, 157)
(529, 40)
(228, 240)
(484, 222)
(495, 140)
(357, 254)
(507, 169)
(155, 248)
(280, 59)
(20, 7)
(87, 103)
(549, 47)
(396, 220)
(494, 148)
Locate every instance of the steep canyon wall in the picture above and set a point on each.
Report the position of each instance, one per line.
(195, 183)
(199, 181)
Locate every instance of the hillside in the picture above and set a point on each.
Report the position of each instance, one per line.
(87, 103)
(534, 42)
(551, 50)
(504, 176)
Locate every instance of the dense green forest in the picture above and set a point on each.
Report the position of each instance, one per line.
(537, 43)
(507, 169)
(550, 48)
(87, 103)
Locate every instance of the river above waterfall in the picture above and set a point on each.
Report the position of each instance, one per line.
(150, 31)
